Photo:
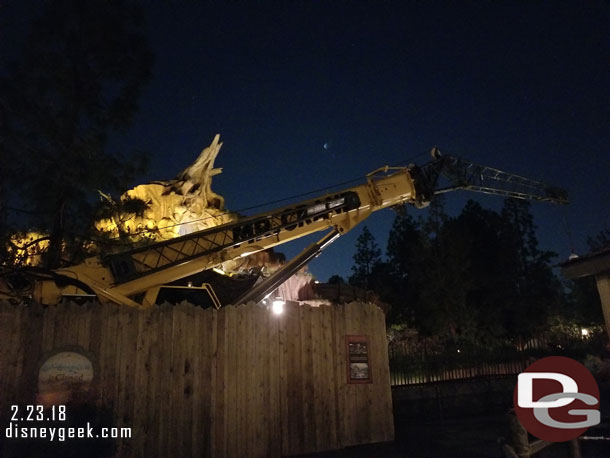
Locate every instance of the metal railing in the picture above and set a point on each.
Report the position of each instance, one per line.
(427, 360)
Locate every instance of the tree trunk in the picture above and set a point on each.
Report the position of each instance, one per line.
(53, 257)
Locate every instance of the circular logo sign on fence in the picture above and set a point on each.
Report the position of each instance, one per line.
(556, 399)
(65, 371)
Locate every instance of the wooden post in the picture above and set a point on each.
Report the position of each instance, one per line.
(603, 287)
(518, 436)
(575, 448)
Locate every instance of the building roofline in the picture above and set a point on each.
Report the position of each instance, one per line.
(590, 264)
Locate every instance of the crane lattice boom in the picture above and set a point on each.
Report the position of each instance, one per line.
(464, 174)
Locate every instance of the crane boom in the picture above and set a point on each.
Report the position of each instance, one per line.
(466, 175)
(120, 277)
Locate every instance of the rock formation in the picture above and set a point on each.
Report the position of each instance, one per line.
(174, 207)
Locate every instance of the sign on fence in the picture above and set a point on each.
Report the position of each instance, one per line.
(359, 366)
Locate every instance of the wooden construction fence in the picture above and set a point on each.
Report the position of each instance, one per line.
(237, 382)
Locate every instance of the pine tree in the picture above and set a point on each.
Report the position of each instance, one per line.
(336, 280)
(77, 81)
(535, 291)
(600, 241)
(405, 243)
(366, 259)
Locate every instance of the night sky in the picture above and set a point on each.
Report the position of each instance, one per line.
(520, 86)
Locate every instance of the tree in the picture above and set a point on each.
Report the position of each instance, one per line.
(336, 280)
(78, 81)
(429, 280)
(366, 259)
(405, 243)
(600, 241)
(120, 211)
(404, 239)
(474, 278)
(443, 280)
(535, 291)
(583, 303)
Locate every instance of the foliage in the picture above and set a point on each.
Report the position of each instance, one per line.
(583, 304)
(404, 242)
(77, 81)
(415, 358)
(336, 280)
(477, 278)
(536, 292)
(600, 241)
(120, 211)
(366, 259)
(560, 327)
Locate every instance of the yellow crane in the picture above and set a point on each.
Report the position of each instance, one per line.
(136, 277)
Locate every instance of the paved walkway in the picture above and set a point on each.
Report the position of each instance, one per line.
(476, 437)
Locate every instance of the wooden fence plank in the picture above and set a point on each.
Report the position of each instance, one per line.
(283, 364)
(327, 382)
(295, 383)
(83, 337)
(8, 316)
(273, 402)
(340, 370)
(361, 392)
(249, 382)
(49, 328)
(253, 386)
(318, 382)
(219, 400)
(210, 345)
(177, 386)
(307, 373)
(141, 379)
(233, 374)
(127, 356)
(241, 353)
(234, 382)
(9, 326)
(32, 323)
(153, 406)
(109, 355)
(165, 380)
(350, 406)
(198, 382)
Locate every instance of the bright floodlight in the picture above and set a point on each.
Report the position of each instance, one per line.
(584, 332)
(277, 306)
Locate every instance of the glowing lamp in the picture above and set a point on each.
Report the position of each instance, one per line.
(277, 306)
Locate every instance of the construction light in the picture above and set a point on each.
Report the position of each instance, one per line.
(277, 306)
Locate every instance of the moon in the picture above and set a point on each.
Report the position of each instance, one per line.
(326, 146)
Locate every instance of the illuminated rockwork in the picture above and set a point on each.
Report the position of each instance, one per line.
(174, 207)
(168, 209)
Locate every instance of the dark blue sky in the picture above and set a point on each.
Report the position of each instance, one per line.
(521, 86)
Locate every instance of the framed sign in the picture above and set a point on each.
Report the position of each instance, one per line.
(358, 363)
(63, 374)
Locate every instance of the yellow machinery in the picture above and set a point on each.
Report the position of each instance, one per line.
(136, 277)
